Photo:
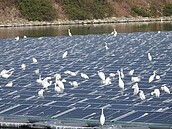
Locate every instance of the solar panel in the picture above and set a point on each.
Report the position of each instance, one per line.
(87, 54)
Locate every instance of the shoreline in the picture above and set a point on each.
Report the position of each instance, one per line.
(85, 22)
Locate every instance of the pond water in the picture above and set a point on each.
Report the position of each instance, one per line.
(61, 30)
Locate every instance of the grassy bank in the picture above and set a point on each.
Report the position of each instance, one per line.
(23, 11)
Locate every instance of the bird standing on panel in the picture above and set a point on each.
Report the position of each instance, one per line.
(152, 77)
(136, 89)
(9, 84)
(23, 66)
(131, 72)
(85, 76)
(57, 88)
(108, 81)
(37, 71)
(106, 47)
(41, 93)
(102, 118)
(102, 76)
(69, 33)
(34, 60)
(149, 57)
(142, 95)
(46, 83)
(74, 84)
(165, 89)
(120, 82)
(156, 92)
(60, 84)
(39, 80)
(68, 72)
(65, 54)
(135, 79)
(7, 73)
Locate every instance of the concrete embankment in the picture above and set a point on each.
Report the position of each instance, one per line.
(94, 21)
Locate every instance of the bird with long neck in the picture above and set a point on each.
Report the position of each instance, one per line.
(7, 73)
(149, 57)
(102, 118)
(165, 89)
(69, 33)
(152, 77)
(142, 95)
(120, 82)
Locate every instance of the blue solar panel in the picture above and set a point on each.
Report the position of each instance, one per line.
(87, 54)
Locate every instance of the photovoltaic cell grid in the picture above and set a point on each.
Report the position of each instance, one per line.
(87, 54)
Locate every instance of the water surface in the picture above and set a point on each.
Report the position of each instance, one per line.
(61, 30)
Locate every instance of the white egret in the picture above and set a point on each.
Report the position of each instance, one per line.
(65, 54)
(142, 95)
(149, 57)
(165, 89)
(102, 76)
(24, 37)
(34, 60)
(41, 93)
(37, 71)
(152, 77)
(136, 89)
(9, 84)
(120, 82)
(131, 72)
(46, 83)
(108, 81)
(102, 118)
(69, 33)
(114, 32)
(156, 92)
(135, 79)
(106, 46)
(23, 66)
(57, 88)
(7, 73)
(71, 73)
(74, 84)
(17, 38)
(85, 76)
(60, 84)
(39, 80)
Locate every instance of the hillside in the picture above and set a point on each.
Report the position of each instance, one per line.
(10, 10)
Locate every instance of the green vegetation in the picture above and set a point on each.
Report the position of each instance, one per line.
(41, 10)
(167, 10)
(140, 11)
(87, 9)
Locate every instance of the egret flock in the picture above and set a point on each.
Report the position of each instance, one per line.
(59, 82)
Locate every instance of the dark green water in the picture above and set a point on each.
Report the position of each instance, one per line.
(60, 30)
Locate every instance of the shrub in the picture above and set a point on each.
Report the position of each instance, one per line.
(140, 11)
(167, 10)
(84, 9)
(41, 10)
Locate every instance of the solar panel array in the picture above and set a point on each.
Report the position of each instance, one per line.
(87, 54)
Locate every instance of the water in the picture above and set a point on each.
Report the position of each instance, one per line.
(40, 31)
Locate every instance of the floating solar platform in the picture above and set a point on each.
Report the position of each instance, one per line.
(80, 107)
